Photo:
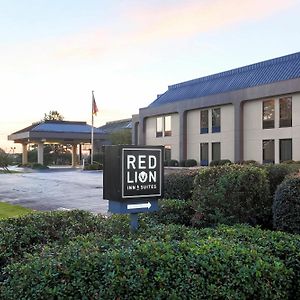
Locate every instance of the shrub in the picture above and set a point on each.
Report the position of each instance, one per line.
(117, 268)
(286, 206)
(220, 162)
(173, 211)
(231, 194)
(173, 163)
(179, 185)
(277, 173)
(190, 163)
(24, 234)
(249, 162)
(94, 166)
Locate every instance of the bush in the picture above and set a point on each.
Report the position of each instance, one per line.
(179, 185)
(248, 162)
(286, 206)
(220, 162)
(231, 194)
(24, 234)
(117, 268)
(173, 211)
(190, 163)
(277, 173)
(94, 166)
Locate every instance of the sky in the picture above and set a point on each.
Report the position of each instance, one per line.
(53, 53)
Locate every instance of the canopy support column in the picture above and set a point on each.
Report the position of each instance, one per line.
(24, 154)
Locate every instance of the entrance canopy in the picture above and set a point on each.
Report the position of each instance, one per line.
(62, 132)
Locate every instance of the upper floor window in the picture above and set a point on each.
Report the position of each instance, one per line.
(204, 121)
(216, 120)
(163, 126)
(285, 112)
(268, 114)
(159, 127)
(168, 128)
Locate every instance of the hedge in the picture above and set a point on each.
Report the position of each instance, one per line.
(231, 194)
(174, 211)
(286, 206)
(179, 185)
(94, 267)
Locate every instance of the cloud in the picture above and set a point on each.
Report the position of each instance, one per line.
(147, 24)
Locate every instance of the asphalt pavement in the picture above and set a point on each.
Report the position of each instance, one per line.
(55, 189)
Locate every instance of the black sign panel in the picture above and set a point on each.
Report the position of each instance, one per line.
(141, 172)
(133, 172)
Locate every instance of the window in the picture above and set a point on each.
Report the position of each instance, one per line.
(159, 127)
(163, 126)
(204, 121)
(216, 151)
(268, 151)
(204, 154)
(216, 120)
(285, 149)
(285, 112)
(168, 153)
(268, 114)
(168, 130)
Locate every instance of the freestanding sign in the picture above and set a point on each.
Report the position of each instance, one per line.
(133, 178)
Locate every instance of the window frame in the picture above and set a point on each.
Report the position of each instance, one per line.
(214, 128)
(212, 151)
(159, 133)
(281, 150)
(285, 122)
(268, 161)
(204, 130)
(268, 124)
(167, 131)
(204, 162)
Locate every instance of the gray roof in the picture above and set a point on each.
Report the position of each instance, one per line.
(60, 126)
(116, 125)
(269, 71)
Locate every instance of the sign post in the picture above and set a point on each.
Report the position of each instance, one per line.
(133, 179)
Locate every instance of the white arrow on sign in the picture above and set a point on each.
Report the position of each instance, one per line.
(139, 205)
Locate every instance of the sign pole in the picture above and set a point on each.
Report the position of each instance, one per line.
(134, 222)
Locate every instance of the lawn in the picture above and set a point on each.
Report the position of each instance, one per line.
(8, 210)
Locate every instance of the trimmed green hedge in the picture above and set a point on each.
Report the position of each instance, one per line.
(174, 211)
(286, 206)
(138, 267)
(179, 185)
(231, 194)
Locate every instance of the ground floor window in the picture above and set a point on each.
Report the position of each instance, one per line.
(168, 153)
(204, 154)
(268, 151)
(285, 150)
(216, 151)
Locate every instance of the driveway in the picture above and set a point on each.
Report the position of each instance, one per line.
(55, 189)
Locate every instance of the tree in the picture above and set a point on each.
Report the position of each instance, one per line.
(4, 160)
(121, 137)
(53, 115)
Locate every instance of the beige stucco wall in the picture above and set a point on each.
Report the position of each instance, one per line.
(225, 137)
(172, 140)
(254, 134)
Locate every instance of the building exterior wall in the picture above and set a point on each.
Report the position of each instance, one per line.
(171, 141)
(225, 136)
(254, 133)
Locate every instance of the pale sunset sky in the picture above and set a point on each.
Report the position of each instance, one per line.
(53, 53)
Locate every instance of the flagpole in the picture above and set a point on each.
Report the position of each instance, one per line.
(92, 133)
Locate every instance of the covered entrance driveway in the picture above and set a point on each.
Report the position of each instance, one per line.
(61, 132)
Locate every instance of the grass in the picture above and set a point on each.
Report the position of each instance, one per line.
(8, 210)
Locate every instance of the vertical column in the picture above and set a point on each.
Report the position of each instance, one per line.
(238, 132)
(24, 154)
(74, 155)
(182, 135)
(41, 153)
(142, 131)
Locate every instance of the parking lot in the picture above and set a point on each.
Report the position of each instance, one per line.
(55, 189)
